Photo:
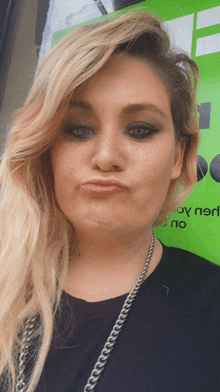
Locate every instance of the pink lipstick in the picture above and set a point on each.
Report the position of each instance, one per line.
(103, 186)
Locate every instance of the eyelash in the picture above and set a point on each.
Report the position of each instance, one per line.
(151, 129)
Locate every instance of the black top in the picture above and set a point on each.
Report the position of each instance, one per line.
(170, 341)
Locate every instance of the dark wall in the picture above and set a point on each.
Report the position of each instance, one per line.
(9, 16)
(119, 4)
(18, 61)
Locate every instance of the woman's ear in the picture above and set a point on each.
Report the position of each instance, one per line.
(178, 159)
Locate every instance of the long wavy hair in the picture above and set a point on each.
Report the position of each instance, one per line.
(34, 250)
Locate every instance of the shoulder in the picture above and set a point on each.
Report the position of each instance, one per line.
(197, 280)
(191, 271)
(191, 259)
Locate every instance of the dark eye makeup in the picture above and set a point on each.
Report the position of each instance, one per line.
(79, 131)
(138, 131)
(141, 130)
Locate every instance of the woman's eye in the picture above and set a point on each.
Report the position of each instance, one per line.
(135, 131)
(79, 131)
(141, 131)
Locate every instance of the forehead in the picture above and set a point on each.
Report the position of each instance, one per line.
(125, 80)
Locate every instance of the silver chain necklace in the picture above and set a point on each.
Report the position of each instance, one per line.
(109, 345)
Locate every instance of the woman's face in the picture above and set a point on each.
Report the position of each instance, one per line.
(118, 128)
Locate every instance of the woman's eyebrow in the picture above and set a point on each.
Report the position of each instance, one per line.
(80, 104)
(137, 107)
(129, 109)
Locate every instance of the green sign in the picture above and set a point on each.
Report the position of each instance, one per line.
(194, 27)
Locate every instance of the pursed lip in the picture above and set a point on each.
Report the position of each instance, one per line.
(104, 182)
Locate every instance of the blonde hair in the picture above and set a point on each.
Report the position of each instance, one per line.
(34, 250)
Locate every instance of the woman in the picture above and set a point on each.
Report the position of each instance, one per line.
(98, 155)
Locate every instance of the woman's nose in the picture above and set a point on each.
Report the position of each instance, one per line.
(108, 153)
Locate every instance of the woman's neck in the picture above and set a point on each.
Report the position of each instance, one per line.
(104, 269)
